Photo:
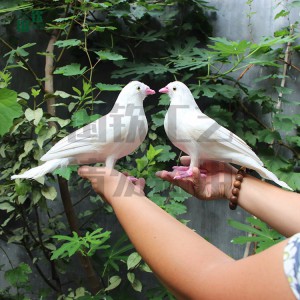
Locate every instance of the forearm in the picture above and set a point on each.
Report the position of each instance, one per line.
(275, 206)
(176, 254)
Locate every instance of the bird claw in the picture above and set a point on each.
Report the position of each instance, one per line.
(132, 179)
(184, 172)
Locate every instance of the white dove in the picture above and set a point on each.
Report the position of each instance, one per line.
(202, 138)
(107, 139)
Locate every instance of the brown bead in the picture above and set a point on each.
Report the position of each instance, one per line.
(233, 198)
(232, 206)
(239, 177)
(235, 191)
(237, 184)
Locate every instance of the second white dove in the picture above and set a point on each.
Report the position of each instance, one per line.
(202, 138)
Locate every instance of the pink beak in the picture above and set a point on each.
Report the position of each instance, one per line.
(149, 91)
(164, 90)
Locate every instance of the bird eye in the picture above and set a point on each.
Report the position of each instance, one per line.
(138, 88)
(174, 88)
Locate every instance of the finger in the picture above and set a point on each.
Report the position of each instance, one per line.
(85, 171)
(165, 175)
(141, 182)
(185, 160)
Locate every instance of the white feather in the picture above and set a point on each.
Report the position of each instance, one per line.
(107, 139)
(202, 138)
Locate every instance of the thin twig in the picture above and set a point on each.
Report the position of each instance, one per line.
(287, 58)
(54, 272)
(25, 63)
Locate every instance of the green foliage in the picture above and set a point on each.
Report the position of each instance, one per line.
(87, 245)
(258, 233)
(9, 109)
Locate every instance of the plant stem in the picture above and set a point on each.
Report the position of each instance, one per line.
(25, 63)
(92, 278)
(54, 272)
(63, 184)
(49, 76)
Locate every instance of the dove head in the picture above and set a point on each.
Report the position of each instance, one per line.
(177, 91)
(135, 91)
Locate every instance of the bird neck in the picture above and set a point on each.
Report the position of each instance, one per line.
(128, 107)
(184, 101)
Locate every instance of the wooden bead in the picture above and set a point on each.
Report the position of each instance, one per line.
(236, 188)
(233, 198)
(235, 191)
(237, 184)
(239, 177)
(232, 206)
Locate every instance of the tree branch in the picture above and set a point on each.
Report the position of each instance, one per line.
(92, 278)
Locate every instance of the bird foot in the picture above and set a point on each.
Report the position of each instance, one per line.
(132, 179)
(184, 172)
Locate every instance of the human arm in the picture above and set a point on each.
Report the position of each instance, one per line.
(186, 263)
(275, 206)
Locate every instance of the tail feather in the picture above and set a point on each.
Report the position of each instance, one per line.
(43, 169)
(263, 172)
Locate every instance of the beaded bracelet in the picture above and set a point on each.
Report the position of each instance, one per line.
(236, 188)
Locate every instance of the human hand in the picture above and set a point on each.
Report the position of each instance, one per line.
(212, 180)
(111, 184)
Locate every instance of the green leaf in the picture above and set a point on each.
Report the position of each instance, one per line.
(70, 70)
(158, 119)
(6, 206)
(175, 209)
(34, 115)
(226, 48)
(284, 123)
(28, 146)
(114, 282)
(62, 94)
(141, 163)
(268, 136)
(65, 172)
(282, 13)
(45, 134)
(49, 192)
(108, 87)
(9, 109)
(246, 239)
(108, 55)
(67, 43)
(103, 28)
(244, 227)
(293, 140)
(18, 275)
(133, 260)
(135, 283)
(250, 138)
(62, 123)
(19, 51)
(284, 90)
(152, 152)
(22, 188)
(81, 118)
